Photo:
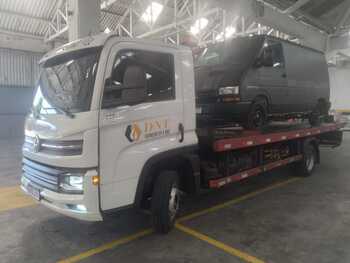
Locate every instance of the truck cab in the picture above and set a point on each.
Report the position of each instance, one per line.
(105, 109)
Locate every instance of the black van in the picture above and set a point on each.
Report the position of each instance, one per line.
(252, 79)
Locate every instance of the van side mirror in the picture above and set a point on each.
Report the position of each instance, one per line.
(132, 91)
(268, 57)
(265, 61)
(268, 61)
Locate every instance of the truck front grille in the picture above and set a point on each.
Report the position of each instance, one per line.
(41, 176)
(53, 147)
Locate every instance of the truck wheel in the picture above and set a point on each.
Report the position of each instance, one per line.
(165, 201)
(306, 166)
(257, 116)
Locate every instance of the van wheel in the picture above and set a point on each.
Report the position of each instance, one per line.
(321, 109)
(257, 116)
(165, 201)
(306, 166)
(315, 118)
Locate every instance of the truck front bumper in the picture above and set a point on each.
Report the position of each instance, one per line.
(80, 206)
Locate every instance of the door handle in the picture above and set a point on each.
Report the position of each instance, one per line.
(284, 75)
(182, 132)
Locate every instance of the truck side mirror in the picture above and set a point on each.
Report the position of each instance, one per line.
(134, 85)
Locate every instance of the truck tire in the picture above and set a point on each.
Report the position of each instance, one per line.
(306, 166)
(257, 116)
(165, 201)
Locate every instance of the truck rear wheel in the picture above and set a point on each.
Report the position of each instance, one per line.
(306, 166)
(165, 201)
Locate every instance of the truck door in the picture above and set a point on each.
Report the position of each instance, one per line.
(273, 77)
(136, 124)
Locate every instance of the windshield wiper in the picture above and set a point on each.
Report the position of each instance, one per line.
(63, 111)
(66, 112)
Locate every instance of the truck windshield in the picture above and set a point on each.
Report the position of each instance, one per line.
(236, 51)
(66, 83)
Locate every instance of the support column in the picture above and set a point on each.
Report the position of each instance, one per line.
(84, 18)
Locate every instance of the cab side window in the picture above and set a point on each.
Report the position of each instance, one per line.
(273, 55)
(157, 70)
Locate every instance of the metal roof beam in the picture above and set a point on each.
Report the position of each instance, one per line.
(111, 12)
(309, 35)
(299, 15)
(22, 15)
(295, 6)
(19, 34)
(343, 18)
(107, 3)
(174, 24)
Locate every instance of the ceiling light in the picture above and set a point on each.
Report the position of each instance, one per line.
(229, 32)
(199, 25)
(152, 12)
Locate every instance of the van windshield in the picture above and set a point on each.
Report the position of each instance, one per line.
(66, 83)
(237, 51)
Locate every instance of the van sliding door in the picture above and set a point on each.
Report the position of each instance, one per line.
(273, 76)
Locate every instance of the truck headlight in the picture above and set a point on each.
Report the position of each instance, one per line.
(72, 183)
(234, 90)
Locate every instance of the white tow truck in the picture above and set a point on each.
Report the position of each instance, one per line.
(113, 126)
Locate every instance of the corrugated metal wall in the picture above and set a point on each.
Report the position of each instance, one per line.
(340, 88)
(19, 71)
(18, 68)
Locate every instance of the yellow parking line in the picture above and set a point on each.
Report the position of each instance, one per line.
(236, 200)
(13, 197)
(179, 226)
(106, 246)
(228, 249)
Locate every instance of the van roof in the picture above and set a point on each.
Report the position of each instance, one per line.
(285, 41)
(264, 37)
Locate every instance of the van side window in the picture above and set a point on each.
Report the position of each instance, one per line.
(157, 67)
(273, 54)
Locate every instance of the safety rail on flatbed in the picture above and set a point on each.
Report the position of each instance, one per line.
(249, 139)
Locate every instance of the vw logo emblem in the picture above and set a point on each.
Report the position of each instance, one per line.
(36, 144)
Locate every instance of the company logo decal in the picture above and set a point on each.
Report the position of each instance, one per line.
(133, 132)
(149, 129)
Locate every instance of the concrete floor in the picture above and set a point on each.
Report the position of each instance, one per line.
(305, 220)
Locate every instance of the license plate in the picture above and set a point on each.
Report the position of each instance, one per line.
(34, 192)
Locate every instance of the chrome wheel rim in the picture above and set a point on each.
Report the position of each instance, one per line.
(258, 118)
(174, 202)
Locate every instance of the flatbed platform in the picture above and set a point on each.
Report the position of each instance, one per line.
(236, 139)
(225, 139)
